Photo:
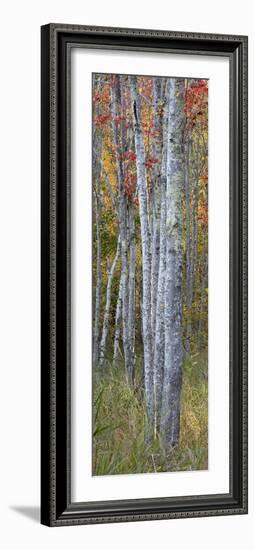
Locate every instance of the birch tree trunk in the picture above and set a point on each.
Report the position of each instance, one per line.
(118, 323)
(188, 246)
(195, 199)
(105, 326)
(159, 346)
(156, 196)
(98, 281)
(131, 312)
(146, 254)
(170, 413)
(195, 248)
(116, 112)
(155, 270)
(97, 149)
(204, 285)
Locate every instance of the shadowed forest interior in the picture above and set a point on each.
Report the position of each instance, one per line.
(150, 274)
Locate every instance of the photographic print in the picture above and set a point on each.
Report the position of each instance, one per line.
(144, 155)
(150, 274)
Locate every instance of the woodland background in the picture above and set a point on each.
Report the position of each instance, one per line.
(150, 273)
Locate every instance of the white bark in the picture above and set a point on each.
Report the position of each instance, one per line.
(188, 246)
(105, 327)
(98, 281)
(155, 271)
(117, 140)
(118, 323)
(204, 285)
(146, 255)
(156, 197)
(159, 351)
(170, 412)
(97, 148)
(131, 311)
(195, 199)
(159, 346)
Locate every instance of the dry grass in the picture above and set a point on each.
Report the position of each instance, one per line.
(118, 425)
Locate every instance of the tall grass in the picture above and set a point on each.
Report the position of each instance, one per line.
(118, 423)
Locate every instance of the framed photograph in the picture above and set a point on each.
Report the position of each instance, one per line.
(144, 275)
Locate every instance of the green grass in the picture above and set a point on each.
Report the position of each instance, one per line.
(118, 423)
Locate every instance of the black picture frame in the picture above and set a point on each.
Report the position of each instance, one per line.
(56, 506)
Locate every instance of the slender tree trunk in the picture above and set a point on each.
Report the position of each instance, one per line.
(195, 199)
(140, 302)
(195, 248)
(116, 112)
(118, 322)
(159, 347)
(155, 271)
(170, 413)
(97, 149)
(204, 285)
(98, 282)
(188, 246)
(105, 327)
(146, 252)
(156, 200)
(131, 319)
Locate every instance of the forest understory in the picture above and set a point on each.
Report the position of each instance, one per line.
(119, 423)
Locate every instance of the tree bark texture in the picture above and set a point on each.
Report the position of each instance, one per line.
(170, 413)
(105, 327)
(117, 140)
(97, 149)
(145, 245)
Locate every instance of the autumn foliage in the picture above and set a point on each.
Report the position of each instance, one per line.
(131, 179)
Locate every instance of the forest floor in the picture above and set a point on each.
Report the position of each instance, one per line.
(118, 423)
